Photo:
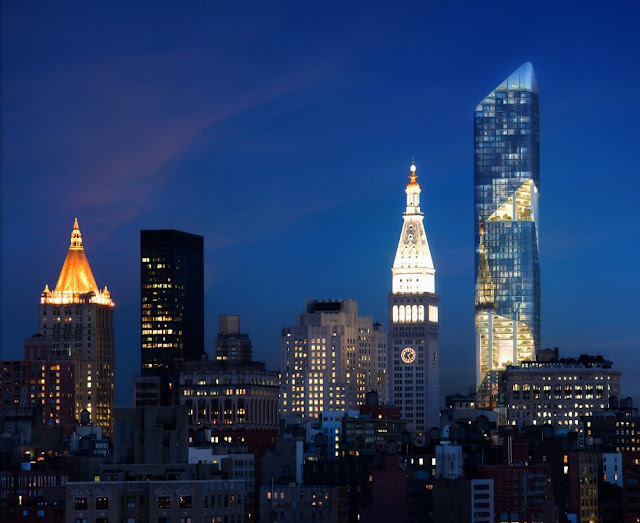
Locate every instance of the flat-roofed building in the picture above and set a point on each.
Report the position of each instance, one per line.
(561, 393)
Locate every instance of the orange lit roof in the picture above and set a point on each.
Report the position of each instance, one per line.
(76, 275)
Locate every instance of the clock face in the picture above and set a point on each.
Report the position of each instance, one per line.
(408, 355)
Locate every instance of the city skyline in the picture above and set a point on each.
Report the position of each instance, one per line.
(286, 148)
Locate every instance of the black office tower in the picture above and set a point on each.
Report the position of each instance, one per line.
(172, 301)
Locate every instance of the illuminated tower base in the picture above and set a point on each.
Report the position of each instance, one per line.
(413, 348)
(78, 317)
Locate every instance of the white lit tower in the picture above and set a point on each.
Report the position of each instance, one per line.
(414, 369)
(78, 317)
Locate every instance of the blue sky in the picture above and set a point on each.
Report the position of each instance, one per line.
(283, 133)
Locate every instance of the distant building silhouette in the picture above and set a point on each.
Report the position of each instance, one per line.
(231, 345)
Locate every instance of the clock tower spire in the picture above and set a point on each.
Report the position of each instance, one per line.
(414, 369)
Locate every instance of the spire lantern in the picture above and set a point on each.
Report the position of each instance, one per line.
(413, 191)
(76, 237)
(413, 176)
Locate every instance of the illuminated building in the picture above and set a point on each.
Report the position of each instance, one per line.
(172, 295)
(41, 381)
(563, 393)
(231, 345)
(617, 428)
(507, 181)
(231, 402)
(414, 370)
(584, 485)
(78, 317)
(330, 360)
(371, 429)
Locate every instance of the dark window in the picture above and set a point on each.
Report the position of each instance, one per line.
(81, 503)
(102, 503)
(164, 502)
(185, 501)
(131, 502)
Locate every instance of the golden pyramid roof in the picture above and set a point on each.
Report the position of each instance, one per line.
(76, 275)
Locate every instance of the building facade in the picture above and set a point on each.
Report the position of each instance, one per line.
(615, 428)
(231, 344)
(562, 393)
(303, 503)
(41, 381)
(463, 500)
(507, 184)
(150, 435)
(184, 501)
(78, 318)
(232, 403)
(521, 492)
(329, 359)
(413, 348)
(583, 485)
(172, 300)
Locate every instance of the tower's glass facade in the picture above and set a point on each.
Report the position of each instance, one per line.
(507, 183)
(172, 300)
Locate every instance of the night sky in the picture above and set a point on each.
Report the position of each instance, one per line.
(283, 133)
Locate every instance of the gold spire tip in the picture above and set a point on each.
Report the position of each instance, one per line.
(413, 176)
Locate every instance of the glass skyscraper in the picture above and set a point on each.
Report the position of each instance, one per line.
(507, 184)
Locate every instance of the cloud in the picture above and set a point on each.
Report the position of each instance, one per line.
(114, 127)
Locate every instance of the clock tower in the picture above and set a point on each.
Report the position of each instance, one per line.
(414, 369)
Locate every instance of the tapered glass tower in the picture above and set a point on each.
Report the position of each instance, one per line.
(507, 184)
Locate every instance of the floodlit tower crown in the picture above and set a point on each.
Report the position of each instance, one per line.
(78, 317)
(413, 269)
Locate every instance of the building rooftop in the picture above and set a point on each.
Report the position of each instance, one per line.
(76, 275)
(585, 361)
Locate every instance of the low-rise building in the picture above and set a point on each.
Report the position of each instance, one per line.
(44, 379)
(463, 500)
(237, 402)
(521, 492)
(303, 503)
(561, 393)
(583, 485)
(373, 428)
(150, 435)
(214, 500)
